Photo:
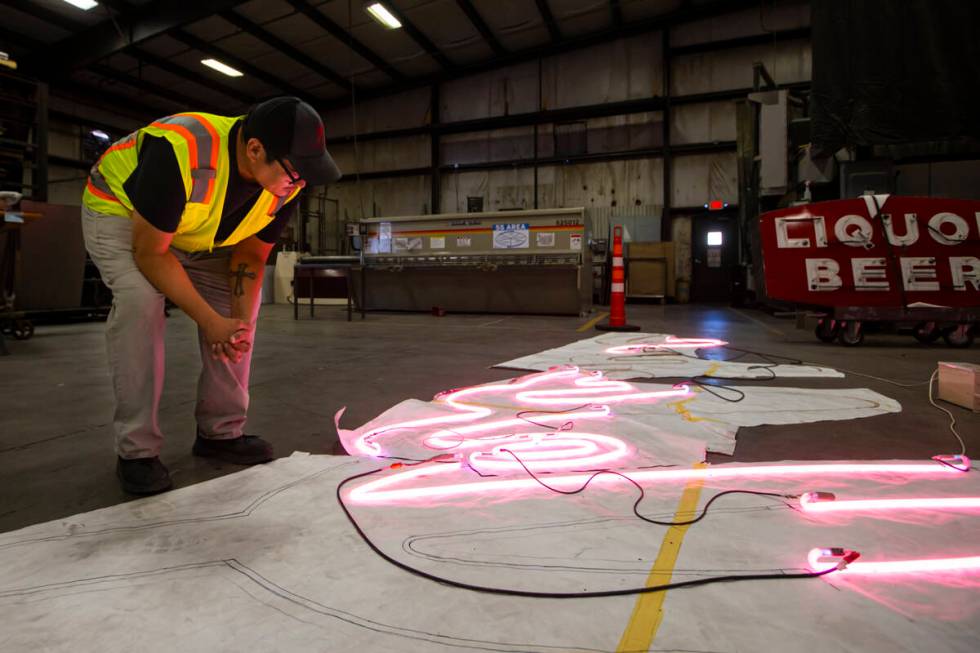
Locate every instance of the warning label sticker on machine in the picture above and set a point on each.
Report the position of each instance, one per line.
(406, 244)
(575, 241)
(384, 238)
(437, 242)
(464, 241)
(545, 239)
(511, 236)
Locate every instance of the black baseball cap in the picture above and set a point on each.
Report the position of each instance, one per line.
(291, 129)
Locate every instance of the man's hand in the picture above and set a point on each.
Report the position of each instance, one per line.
(228, 338)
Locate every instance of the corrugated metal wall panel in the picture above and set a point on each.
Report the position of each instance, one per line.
(703, 123)
(767, 18)
(402, 111)
(388, 154)
(786, 61)
(701, 177)
(626, 69)
(380, 197)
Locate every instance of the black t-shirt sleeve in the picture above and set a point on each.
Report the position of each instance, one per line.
(155, 187)
(271, 232)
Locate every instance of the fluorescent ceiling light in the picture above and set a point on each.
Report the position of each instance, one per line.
(381, 14)
(222, 68)
(83, 4)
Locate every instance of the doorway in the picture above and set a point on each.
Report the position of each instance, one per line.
(714, 250)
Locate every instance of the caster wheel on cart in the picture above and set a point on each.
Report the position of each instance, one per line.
(959, 336)
(851, 334)
(927, 332)
(23, 329)
(827, 329)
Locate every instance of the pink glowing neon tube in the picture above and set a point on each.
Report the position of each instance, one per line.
(467, 413)
(552, 451)
(391, 488)
(669, 343)
(822, 559)
(590, 390)
(814, 502)
(454, 438)
(596, 392)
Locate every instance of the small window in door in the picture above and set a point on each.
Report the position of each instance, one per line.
(714, 238)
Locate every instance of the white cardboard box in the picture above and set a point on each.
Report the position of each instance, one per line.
(959, 383)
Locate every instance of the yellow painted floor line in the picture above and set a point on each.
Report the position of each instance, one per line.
(591, 323)
(648, 611)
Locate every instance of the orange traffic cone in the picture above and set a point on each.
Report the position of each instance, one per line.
(617, 299)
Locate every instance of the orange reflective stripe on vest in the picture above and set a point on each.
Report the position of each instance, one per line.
(202, 143)
(278, 204)
(100, 191)
(121, 144)
(97, 184)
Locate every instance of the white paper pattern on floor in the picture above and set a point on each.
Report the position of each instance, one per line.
(654, 355)
(265, 560)
(665, 430)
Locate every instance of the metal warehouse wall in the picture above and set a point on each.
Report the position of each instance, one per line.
(627, 69)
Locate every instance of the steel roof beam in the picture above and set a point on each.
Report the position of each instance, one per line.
(345, 37)
(144, 85)
(549, 19)
(481, 27)
(277, 43)
(226, 57)
(129, 28)
(47, 15)
(616, 12)
(685, 14)
(420, 39)
(179, 71)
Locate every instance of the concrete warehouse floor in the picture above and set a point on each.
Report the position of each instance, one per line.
(56, 405)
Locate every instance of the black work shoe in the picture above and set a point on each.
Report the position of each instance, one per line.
(143, 475)
(243, 450)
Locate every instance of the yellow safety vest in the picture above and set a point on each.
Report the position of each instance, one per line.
(200, 141)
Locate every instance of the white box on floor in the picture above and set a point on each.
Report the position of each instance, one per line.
(959, 383)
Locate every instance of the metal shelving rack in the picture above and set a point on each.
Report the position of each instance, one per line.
(23, 135)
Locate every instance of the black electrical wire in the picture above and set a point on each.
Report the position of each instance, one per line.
(773, 362)
(564, 427)
(713, 389)
(660, 350)
(502, 591)
(956, 467)
(636, 504)
(771, 359)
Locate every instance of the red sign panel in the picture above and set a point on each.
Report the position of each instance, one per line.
(874, 251)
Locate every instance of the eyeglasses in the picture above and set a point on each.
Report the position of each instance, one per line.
(294, 179)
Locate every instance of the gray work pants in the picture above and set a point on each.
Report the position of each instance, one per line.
(134, 340)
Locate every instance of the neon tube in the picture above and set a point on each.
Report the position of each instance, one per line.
(669, 343)
(809, 504)
(467, 414)
(552, 451)
(386, 488)
(820, 560)
(587, 395)
(590, 389)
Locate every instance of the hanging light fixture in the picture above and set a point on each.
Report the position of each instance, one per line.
(222, 67)
(382, 14)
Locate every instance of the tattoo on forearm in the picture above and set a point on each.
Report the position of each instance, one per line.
(240, 275)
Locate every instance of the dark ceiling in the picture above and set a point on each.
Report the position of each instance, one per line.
(142, 57)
